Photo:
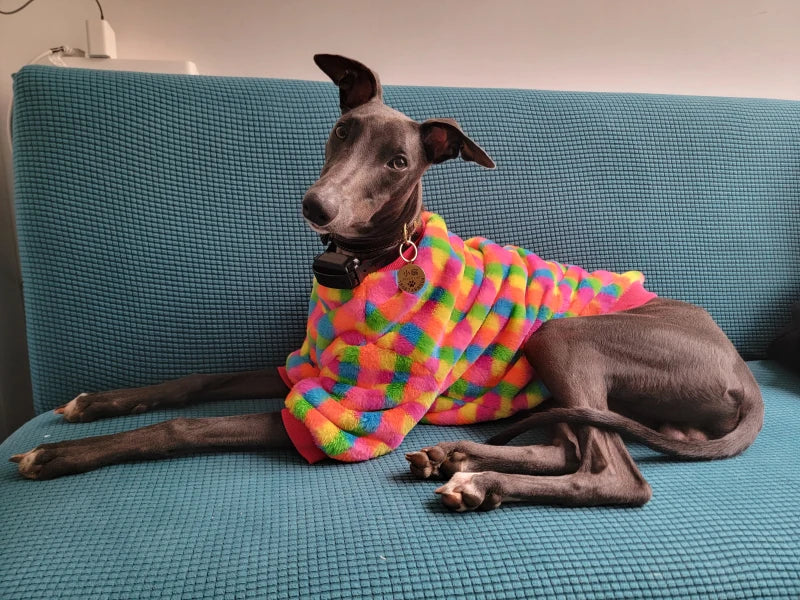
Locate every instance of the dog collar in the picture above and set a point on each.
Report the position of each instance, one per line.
(339, 271)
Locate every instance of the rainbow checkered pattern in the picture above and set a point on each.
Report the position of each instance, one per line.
(377, 360)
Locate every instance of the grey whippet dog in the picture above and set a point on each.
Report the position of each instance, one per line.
(663, 374)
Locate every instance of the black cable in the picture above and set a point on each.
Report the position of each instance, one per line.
(16, 10)
(102, 18)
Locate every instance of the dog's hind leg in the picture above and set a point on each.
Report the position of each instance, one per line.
(446, 458)
(607, 475)
(265, 383)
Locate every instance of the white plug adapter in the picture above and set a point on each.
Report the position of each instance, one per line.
(100, 39)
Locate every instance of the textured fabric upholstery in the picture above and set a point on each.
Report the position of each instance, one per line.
(250, 525)
(160, 234)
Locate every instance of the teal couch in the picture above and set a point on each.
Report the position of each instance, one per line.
(160, 234)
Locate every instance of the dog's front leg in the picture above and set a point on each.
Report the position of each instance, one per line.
(607, 475)
(265, 383)
(162, 440)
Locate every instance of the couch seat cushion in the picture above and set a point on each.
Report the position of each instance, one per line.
(255, 525)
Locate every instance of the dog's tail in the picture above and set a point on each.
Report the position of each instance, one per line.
(751, 418)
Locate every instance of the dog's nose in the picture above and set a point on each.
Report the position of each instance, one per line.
(315, 210)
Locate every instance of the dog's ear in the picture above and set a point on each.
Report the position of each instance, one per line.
(443, 139)
(357, 84)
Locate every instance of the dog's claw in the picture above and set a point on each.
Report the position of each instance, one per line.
(16, 458)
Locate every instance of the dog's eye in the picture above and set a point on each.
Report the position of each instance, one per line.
(398, 163)
(340, 132)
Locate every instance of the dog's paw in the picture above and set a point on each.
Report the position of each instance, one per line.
(36, 463)
(89, 407)
(48, 461)
(74, 410)
(469, 491)
(441, 460)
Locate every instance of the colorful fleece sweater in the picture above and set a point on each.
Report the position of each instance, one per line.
(377, 360)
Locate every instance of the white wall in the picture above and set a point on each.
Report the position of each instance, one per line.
(721, 47)
(717, 47)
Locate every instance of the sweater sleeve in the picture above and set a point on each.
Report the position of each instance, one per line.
(360, 401)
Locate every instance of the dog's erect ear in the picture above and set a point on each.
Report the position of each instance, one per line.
(443, 139)
(357, 84)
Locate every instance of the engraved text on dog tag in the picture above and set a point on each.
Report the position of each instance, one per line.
(411, 278)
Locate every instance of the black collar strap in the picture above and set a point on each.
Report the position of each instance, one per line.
(339, 271)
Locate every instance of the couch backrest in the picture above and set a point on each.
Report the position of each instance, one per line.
(160, 229)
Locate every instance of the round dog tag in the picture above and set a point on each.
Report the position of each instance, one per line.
(411, 278)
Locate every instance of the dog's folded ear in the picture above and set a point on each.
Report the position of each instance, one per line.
(443, 139)
(357, 83)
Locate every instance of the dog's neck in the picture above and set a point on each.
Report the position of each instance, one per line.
(407, 223)
(345, 263)
(410, 231)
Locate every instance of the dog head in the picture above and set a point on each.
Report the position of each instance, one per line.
(375, 156)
